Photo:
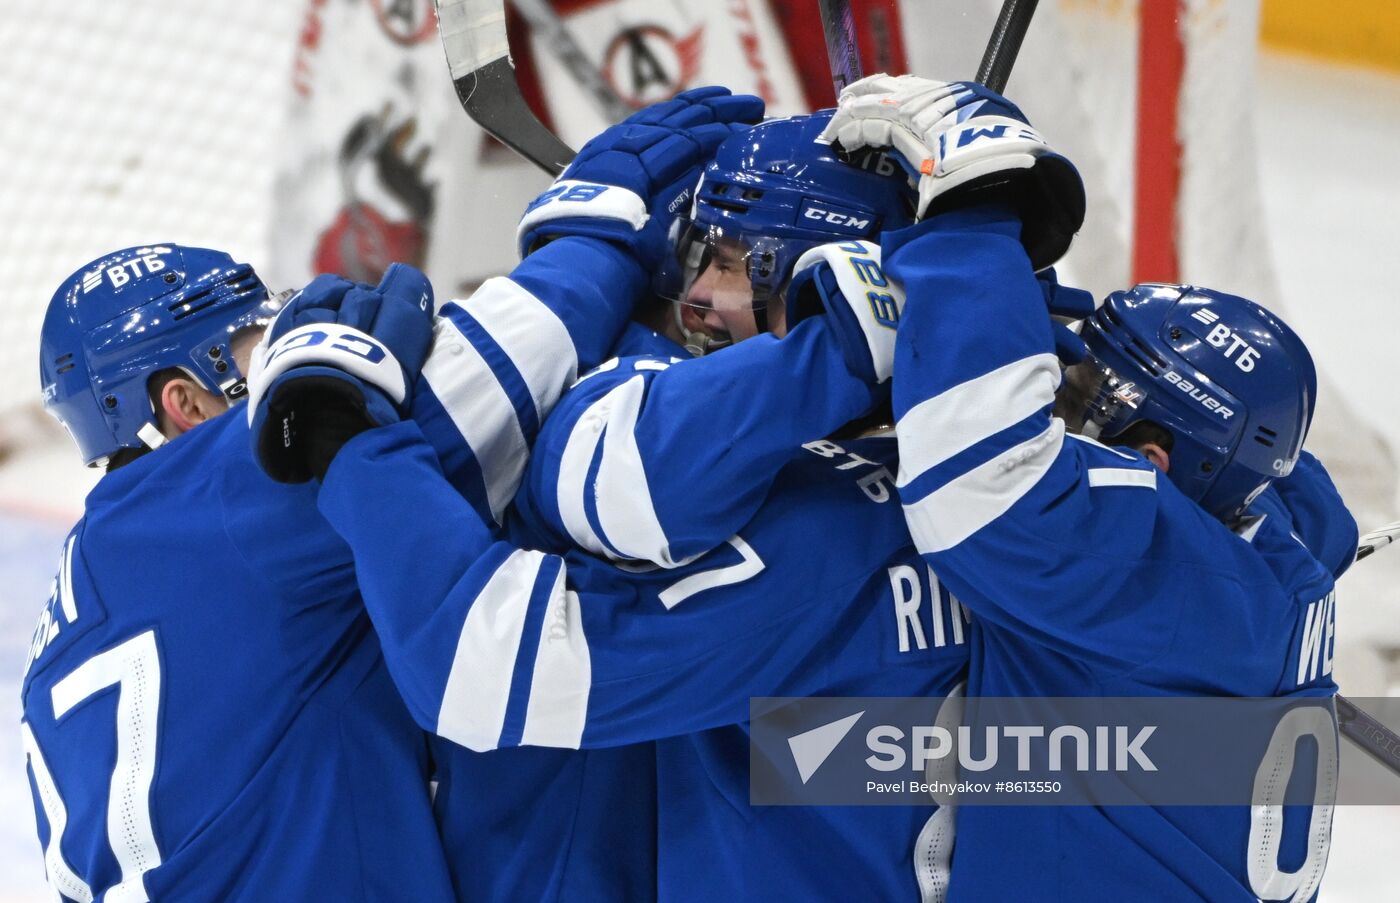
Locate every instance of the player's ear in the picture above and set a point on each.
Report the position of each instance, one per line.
(185, 405)
(1157, 455)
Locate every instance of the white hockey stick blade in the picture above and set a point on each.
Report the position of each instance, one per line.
(473, 35)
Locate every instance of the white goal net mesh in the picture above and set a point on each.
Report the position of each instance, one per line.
(129, 123)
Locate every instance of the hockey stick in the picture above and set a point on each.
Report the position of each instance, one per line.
(1375, 739)
(1377, 539)
(545, 22)
(842, 52)
(473, 35)
(1005, 43)
(839, 29)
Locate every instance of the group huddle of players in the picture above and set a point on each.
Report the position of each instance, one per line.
(471, 604)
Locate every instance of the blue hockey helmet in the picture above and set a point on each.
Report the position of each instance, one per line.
(125, 316)
(1231, 382)
(775, 191)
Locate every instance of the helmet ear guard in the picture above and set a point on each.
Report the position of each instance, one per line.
(1232, 383)
(126, 316)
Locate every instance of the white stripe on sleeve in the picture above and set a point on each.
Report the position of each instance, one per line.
(625, 510)
(573, 471)
(959, 418)
(1122, 476)
(558, 706)
(620, 491)
(952, 513)
(478, 686)
(480, 409)
(531, 335)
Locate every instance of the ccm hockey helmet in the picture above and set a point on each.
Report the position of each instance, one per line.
(773, 192)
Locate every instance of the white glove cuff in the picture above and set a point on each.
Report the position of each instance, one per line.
(874, 300)
(329, 345)
(572, 198)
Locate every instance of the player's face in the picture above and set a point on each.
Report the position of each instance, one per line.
(720, 302)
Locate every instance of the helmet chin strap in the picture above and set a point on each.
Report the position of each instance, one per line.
(150, 434)
(698, 344)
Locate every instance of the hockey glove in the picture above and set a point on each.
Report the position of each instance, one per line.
(628, 184)
(955, 137)
(1071, 304)
(339, 359)
(863, 306)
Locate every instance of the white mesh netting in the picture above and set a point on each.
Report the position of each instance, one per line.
(129, 123)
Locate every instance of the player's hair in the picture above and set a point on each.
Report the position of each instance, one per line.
(1142, 433)
(155, 386)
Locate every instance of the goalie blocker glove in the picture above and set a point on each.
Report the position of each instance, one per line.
(339, 359)
(628, 184)
(956, 137)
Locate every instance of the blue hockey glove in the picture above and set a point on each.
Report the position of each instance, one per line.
(340, 358)
(845, 281)
(628, 184)
(1072, 304)
(957, 137)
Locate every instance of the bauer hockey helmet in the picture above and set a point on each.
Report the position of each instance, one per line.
(1232, 383)
(774, 192)
(125, 316)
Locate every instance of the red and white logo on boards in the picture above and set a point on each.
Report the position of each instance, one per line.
(406, 21)
(647, 63)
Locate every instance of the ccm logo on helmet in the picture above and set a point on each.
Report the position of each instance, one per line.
(1221, 335)
(836, 218)
(1206, 401)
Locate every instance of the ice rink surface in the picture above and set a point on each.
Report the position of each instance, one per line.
(1329, 139)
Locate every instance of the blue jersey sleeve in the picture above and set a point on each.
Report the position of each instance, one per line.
(658, 460)
(502, 358)
(1039, 532)
(493, 645)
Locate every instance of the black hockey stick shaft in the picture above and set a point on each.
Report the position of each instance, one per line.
(842, 52)
(1005, 43)
(1375, 739)
(473, 36)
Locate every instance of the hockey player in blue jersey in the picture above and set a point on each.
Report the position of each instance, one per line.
(578, 652)
(259, 749)
(1108, 549)
(205, 716)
